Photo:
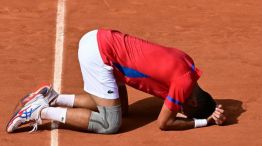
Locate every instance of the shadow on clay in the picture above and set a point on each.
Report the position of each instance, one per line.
(233, 109)
(141, 113)
(146, 111)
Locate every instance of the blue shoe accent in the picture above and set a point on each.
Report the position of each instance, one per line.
(28, 114)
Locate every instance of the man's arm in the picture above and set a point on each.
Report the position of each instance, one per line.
(168, 120)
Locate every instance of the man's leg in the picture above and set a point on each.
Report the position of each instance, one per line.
(98, 80)
(65, 113)
(76, 101)
(106, 120)
(77, 117)
(86, 100)
(123, 99)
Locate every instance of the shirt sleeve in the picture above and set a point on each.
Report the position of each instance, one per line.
(180, 89)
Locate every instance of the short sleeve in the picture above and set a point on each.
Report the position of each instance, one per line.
(180, 89)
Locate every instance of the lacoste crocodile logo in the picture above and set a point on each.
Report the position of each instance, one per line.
(110, 91)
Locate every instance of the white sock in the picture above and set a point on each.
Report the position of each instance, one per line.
(66, 100)
(54, 113)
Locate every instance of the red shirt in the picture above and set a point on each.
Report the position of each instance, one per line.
(161, 71)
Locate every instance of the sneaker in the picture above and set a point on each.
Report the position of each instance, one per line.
(30, 112)
(46, 90)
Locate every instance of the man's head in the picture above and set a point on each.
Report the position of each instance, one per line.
(199, 105)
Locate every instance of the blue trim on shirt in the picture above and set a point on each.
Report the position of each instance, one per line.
(193, 68)
(129, 72)
(174, 101)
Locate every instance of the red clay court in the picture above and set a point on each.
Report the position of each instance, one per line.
(223, 37)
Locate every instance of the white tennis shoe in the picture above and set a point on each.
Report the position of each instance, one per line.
(30, 112)
(46, 90)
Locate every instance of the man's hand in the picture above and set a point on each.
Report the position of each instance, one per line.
(217, 117)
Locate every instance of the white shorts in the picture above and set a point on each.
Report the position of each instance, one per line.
(98, 77)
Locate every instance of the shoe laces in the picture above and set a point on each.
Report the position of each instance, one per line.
(35, 127)
(38, 121)
(35, 124)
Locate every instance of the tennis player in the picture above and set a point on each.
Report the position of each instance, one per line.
(109, 60)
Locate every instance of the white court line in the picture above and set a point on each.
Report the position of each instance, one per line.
(58, 65)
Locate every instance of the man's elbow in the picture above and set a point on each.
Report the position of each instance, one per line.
(162, 125)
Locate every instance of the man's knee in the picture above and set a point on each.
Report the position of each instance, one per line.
(107, 121)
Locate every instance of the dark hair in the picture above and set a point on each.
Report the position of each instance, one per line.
(205, 105)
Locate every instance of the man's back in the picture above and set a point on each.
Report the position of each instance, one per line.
(144, 65)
